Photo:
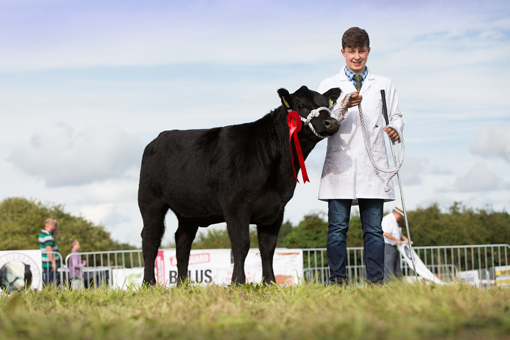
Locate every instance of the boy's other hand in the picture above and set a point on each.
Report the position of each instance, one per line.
(391, 133)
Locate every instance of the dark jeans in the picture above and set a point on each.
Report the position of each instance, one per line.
(49, 276)
(371, 213)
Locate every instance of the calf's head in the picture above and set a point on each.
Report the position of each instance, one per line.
(304, 101)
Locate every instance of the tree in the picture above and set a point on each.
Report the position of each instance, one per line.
(459, 226)
(285, 229)
(218, 239)
(312, 232)
(21, 220)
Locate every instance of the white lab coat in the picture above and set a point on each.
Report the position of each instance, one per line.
(348, 172)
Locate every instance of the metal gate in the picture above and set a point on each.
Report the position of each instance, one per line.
(490, 261)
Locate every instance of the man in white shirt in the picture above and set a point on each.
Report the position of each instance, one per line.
(392, 237)
(348, 176)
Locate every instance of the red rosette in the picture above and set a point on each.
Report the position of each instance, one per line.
(295, 124)
(294, 121)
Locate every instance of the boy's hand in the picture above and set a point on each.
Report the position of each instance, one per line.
(355, 100)
(391, 133)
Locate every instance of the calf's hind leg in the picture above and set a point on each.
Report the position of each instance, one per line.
(268, 236)
(239, 234)
(153, 215)
(184, 237)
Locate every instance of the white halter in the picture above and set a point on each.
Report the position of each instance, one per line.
(314, 114)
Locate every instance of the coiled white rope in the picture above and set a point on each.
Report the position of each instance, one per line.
(399, 156)
(398, 159)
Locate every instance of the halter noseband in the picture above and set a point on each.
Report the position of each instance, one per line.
(314, 114)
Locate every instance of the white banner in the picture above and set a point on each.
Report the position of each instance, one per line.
(421, 268)
(216, 266)
(20, 269)
(471, 277)
(124, 278)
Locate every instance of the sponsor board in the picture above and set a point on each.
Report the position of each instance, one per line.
(471, 277)
(502, 271)
(502, 276)
(127, 278)
(20, 269)
(503, 281)
(215, 266)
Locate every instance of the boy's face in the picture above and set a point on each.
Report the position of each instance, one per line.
(356, 58)
(76, 246)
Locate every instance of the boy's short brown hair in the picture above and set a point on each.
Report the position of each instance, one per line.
(355, 37)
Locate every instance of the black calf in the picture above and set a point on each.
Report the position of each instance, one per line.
(239, 174)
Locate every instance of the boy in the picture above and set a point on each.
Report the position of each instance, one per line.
(348, 177)
(75, 265)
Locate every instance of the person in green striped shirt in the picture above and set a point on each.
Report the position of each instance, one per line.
(49, 248)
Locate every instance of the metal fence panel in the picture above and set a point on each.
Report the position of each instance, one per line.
(99, 265)
(60, 272)
(446, 262)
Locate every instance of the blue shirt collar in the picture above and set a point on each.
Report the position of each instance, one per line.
(349, 74)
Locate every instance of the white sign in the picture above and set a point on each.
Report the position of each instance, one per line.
(421, 268)
(216, 266)
(471, 277)
(124, 278)
(20, 269)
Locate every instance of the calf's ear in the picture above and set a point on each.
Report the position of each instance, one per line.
(285, 97)
(332, 95)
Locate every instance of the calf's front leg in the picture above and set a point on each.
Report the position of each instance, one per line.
(268, 236)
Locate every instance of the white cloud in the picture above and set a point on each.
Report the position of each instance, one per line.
(77, 35)
(411, 171)
(478, 178)
(63, 157)
(103, 214)
(494, 142)
(220, 62)
(441, 169)
(108, 191)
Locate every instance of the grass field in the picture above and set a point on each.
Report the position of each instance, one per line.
(398, 311)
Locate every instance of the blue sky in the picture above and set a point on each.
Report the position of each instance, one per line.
(85, 85)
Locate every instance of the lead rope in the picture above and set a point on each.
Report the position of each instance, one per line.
(398, 159)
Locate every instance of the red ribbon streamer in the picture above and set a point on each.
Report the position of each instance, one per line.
(295, 125)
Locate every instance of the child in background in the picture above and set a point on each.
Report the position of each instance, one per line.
(75, 265)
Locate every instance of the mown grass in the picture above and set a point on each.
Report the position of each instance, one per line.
(397, 311)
